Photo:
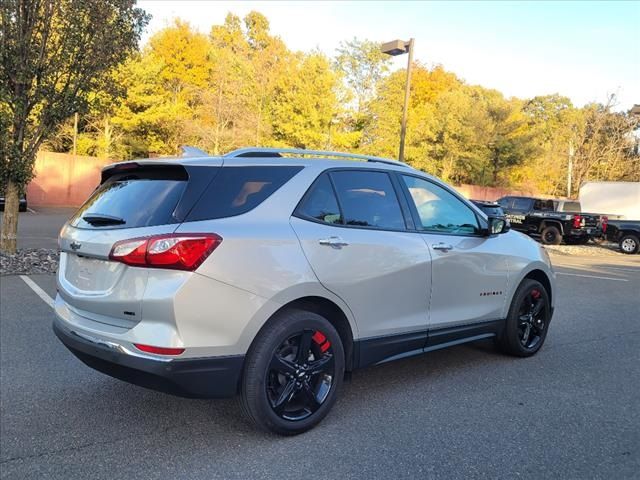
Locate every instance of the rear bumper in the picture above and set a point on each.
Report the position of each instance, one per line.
(216, 377)
(592, 232)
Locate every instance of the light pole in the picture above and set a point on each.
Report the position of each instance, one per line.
(394, 48)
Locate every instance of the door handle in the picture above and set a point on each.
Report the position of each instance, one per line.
(445, 247)
(334, 242)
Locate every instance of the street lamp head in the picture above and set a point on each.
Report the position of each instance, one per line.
(396, 47)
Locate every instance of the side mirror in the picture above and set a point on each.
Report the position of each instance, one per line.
(497, 225)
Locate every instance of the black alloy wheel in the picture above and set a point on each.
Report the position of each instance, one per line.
(293, 372)
(301, 374)
(531, 319)
(527, 322)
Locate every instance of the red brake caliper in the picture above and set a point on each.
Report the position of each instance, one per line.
(535, 294)
(321, 340)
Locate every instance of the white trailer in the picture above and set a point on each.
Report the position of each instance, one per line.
(620, 199)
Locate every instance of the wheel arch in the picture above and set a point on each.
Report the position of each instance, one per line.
(329, 310)
(551, 223)
(541, 277)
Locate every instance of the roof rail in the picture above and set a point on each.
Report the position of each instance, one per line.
(277, 152)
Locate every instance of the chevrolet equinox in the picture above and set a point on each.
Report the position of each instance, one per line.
(269, 273)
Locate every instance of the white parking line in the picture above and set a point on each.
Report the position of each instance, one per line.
(593, 276)
(41, 293)
(622, 269)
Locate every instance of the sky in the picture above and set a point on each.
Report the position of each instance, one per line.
(585, 50)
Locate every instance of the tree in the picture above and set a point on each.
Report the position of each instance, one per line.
(604, 146)
(509, 140)
(53, 55)
(362, 65)
(304, 103)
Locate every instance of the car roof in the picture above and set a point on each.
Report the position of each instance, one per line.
(321, 160)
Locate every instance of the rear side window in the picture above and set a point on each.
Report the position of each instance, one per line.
(368, 199)
(140, 198)
(544, 205)
(571, 207)
(237, 190)
(320, 203)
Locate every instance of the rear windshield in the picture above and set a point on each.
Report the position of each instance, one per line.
(141, 198)
(571, 207)
(237, 190)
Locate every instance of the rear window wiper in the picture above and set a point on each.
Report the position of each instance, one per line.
(100, 219)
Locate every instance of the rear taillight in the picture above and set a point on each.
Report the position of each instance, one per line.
(175, 251)
(159, 350)
(605, 222)
(577, 221)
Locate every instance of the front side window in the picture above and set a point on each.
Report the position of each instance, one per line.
(368, 199)
(440, 210)
(505, 202)
(521, 203)
(320, 203)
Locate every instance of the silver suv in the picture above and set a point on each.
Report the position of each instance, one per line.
(270, 273)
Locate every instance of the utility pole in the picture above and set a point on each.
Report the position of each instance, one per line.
(399, 47)
(570, 168)
(407, 88)
(75, 133)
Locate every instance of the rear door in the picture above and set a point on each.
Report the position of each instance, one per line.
(352, 229)
(136, 200)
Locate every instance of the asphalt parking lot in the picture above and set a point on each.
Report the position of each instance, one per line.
(572, 411)
(39, 228)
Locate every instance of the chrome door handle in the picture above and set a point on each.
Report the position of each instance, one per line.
(334, 242)
(445, 247)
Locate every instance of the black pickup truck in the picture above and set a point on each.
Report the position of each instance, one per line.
(624, 232)
(538, 216)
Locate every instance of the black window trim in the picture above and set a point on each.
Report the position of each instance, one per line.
(408, 220)
(482, 224)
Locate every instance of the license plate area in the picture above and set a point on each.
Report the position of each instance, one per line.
(91, 275)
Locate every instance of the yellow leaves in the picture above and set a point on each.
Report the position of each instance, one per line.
(240, 85)
(181, 54)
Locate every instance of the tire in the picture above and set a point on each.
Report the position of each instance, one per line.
(512, 339)
(551, 235)
(278, 393)
(629, 244)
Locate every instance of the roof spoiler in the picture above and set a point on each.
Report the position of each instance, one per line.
(188, 151)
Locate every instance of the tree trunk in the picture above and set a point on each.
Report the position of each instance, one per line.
(9, 233)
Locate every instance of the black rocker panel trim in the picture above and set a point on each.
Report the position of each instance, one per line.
(442, 337)
(372, 351)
